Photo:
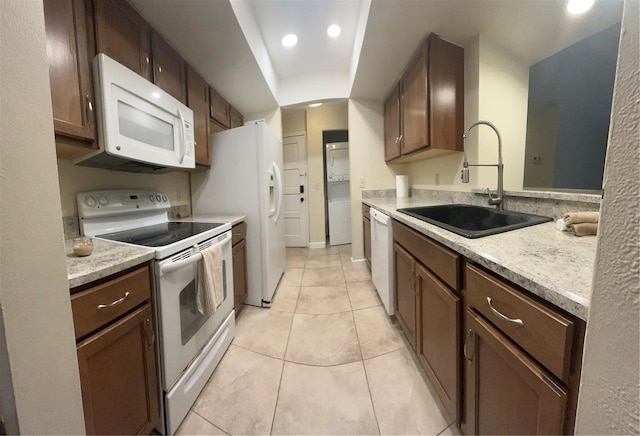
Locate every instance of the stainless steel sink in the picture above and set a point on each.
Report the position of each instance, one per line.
(474, 221)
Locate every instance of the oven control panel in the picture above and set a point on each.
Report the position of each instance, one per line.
(112, 202)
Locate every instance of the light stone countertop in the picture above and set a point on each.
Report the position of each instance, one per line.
(553, 265)
(112, 257)
(107, 258)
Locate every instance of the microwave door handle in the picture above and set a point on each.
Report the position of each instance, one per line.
(183, 144)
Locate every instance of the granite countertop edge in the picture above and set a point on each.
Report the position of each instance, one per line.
(112, 257)
(107, 258)
(553, 265)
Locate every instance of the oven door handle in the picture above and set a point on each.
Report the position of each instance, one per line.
(171, 267)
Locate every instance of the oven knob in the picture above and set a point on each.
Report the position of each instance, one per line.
(164, 198)
(90, 201)
(152, 198)
(103, 200)
(158, 197)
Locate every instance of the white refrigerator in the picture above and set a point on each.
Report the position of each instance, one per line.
(246, 179)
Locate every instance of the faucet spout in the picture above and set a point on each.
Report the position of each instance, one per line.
(493, 201)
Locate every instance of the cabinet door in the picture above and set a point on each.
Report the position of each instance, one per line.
(123, 35)
(439, 338)
(119, 377)
(236, 118)
(70, 50)
(366, 239)
(405, 293)
(239, 275)
(506, 392)
(392, 125)
(219, 108)
(198, 100)
(168, 69)
(414, 107)
(446, 77)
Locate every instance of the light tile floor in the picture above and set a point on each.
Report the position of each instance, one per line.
(324, 359)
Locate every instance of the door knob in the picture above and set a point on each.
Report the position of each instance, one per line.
(302, 200)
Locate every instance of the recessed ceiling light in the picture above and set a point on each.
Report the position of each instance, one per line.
(333, 31)
(576, 7)
(289, 40)
(315, 104)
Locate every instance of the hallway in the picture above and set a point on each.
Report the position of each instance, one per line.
(325, 359)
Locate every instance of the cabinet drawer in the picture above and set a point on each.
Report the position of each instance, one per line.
(440, 260)
(540, 331)
(86, 315)
(239, 233)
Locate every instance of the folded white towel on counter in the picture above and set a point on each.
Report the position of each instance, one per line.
(210, 280)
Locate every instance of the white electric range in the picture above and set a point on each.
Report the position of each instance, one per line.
(190, 345)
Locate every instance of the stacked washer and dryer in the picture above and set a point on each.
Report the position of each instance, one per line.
(338, 193)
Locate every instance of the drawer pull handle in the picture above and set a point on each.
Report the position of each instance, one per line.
(517, 321)
(115, 303)
(464, 349)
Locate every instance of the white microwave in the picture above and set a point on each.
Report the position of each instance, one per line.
(141, 128)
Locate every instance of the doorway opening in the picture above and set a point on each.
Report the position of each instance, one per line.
(337, 199)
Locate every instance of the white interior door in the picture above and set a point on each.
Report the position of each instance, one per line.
(295, 210)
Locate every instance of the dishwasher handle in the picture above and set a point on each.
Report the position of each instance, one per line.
(380, 217)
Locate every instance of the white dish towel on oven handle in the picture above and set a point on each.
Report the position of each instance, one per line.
(210, 280)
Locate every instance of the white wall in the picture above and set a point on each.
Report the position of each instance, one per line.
(609, 400)
(325, 85)
(273, 118)
(39, 355)
(76, 178)
(366, 148)
(294, 120)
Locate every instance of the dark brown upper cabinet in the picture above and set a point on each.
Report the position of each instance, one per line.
(198, 101)
(424, 112)
(70, 49)
(123, 35)
(236, 118)
(220, 108)
(168, 69)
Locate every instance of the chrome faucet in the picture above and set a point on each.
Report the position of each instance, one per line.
(493, 201)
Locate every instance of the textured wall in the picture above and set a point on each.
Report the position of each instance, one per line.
(366, 143)
(609, 402)
(35, 306)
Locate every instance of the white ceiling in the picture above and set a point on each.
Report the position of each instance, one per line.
(309, 19)
(235, 44)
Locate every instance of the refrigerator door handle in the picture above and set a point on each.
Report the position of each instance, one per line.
(278, 175)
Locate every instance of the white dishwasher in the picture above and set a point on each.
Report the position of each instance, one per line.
(382, 258)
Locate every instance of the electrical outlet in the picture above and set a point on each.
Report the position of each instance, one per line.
(437, 178)
(179, 194)
(362, 182)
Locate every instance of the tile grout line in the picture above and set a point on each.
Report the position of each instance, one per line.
(222, 430)
(275, 409)
(364, 369)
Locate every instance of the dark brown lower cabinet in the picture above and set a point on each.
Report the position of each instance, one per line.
(405, 293)
(239, 275)
(366, 239)
(119, 376)
(505, 391)
(438, 336)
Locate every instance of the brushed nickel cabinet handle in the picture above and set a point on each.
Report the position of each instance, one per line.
(150, 335)
(464, 349)
(147, 60)
(115, 303)
(516, 321)
(159, 69)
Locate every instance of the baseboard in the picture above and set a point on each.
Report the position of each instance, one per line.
(358, 262)
(317, 244)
